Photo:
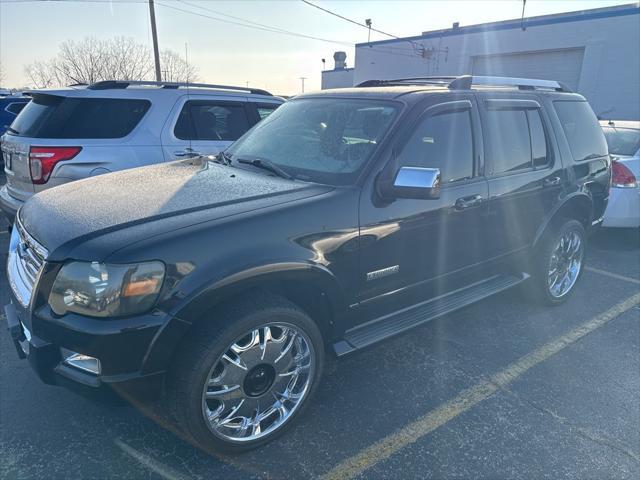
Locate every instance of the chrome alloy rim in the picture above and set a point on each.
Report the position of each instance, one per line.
(259, 382)
(565, 264)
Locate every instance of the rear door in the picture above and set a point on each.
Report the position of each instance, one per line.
(523, 170)
(205, 125)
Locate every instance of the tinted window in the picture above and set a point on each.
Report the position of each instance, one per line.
(15, 107)
(326, 140)
(443, 141)
(211, 121)
(265, 110)
(508, 138)
(50, 116)
(582, 130)
(622, 141)
(538, 139)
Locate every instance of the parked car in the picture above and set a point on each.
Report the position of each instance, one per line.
(623, 138)
(74, 133)
(343, 219)
(10, 107)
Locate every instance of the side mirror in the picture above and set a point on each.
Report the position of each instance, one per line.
(412, 182)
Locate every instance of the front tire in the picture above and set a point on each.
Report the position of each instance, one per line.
(242, 377)
(558, 262)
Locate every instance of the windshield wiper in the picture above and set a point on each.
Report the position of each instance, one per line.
(13, 130)
(223, 157)
(266, 165)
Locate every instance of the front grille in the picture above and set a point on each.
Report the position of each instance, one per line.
(25, 263)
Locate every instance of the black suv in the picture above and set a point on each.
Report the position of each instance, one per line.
(344, 218)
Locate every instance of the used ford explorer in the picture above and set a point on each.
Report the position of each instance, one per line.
(344, 218)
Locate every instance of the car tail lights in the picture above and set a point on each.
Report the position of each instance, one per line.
(622, 177)
(42, 161)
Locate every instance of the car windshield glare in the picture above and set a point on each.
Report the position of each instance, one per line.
(321, 140)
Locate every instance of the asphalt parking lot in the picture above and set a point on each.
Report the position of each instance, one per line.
(503, 389)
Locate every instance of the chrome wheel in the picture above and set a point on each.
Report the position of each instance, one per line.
(565, 264)
(259, 382)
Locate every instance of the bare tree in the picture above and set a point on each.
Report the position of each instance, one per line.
(42, 75)
(175, 69)
(92, 60)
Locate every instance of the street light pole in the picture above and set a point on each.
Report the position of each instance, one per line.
(154, 35)
(302, 79)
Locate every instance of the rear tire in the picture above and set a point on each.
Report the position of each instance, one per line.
(241, 377)
(558, 262)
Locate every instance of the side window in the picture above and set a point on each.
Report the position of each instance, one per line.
(538, 139)
(265, 109)
(516, 140)
(211, 121)
(15, 107)
(581, 127)
(443, 141)
(509, 143)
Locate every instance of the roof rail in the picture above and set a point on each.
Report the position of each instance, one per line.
(465, 82)
(121, 84)
(407, 81)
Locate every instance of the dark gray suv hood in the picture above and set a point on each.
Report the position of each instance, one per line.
(85, 209)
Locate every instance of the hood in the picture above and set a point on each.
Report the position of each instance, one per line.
(81, 210)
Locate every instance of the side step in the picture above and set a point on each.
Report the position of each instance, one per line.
(407, 318)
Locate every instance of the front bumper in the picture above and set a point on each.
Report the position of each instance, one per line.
(9, 205)
(121, 350)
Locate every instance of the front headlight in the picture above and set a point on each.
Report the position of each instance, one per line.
(104, 290)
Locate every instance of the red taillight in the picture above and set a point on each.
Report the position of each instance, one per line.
(42, 160)
(622, 177)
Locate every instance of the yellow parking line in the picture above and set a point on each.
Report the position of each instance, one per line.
(470, 397)
(613, 275)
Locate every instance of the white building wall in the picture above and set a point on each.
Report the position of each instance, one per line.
(337, 78)
(604, 50)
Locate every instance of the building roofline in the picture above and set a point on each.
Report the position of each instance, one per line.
(567, 17)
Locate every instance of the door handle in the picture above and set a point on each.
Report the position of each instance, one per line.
(187, 152)
(469, 202)
(551, 182)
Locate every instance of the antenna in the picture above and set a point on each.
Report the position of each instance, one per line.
(186, 60)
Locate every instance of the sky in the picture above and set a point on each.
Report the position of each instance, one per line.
(225, 53)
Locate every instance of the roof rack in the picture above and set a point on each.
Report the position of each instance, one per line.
(121, 84)
(465, 82)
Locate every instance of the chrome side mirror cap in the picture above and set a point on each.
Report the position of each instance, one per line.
(413, 182)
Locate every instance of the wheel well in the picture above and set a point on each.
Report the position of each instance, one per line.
(309, 297)
(578, 208)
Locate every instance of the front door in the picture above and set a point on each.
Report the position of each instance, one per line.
(413, 249)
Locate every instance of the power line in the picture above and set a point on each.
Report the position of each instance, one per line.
(366, 25)
(257, 27)
(242, 22)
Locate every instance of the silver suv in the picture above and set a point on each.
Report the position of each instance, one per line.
(74, 133)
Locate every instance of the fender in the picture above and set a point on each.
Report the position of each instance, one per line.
(575, 198)
(270, 276)
(259, 276)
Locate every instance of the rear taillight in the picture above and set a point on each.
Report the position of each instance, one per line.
(42, 160)
(621, 176)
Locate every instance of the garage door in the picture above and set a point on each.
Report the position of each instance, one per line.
(562, 65)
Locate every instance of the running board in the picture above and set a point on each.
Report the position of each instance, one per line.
(407, 318)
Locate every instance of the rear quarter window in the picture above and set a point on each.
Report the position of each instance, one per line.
(582, 130)
(51, 116)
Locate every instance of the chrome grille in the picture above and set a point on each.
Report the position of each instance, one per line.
(25, 263)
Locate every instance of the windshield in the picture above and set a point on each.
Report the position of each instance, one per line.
(321, 140)
(622, 141)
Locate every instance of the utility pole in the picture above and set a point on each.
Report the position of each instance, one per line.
(302, 79)
(154, 35)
